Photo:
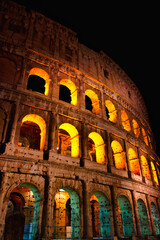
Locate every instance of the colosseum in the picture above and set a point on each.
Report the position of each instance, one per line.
(77, 154)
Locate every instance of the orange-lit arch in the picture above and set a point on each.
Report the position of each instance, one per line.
(154, 172)
(43, 74)
(95, 101)
(72, 87)
(118, 154)
(72, 131)
(133, 161)
(136, 128)
(42, 125)
(145, 136)
(112, 111)
(145, 167)
(99, 147)
(125, 121)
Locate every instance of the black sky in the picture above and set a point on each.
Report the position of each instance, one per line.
(127, 31)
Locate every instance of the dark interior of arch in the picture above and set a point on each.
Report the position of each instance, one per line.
(30, 135)
(107, 113)
(64, 94)
(88, 103)
(36, 84)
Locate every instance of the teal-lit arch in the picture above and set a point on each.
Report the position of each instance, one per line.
(37, 199)
(156, 219)
(105, 215)
(127, 218)
(143, 217)
(75, 213)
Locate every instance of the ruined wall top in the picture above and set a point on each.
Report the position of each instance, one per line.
(27, 29)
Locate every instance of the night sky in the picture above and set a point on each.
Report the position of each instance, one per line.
(127, 31)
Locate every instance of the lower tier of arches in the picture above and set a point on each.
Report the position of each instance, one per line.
(48, 206)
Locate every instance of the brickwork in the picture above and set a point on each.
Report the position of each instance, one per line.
(122, 178)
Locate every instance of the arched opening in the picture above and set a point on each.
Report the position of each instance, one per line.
(156, 219)
(154, 173)
(143, 217)
(133, 161)
(66, 214)
(145, 167)
(22, 215)
(64, 94)
(118, 155)
(68, 91)
(101, 216)
(136, 128)
(30, 135)
(92, 101)
(125, 121)
(68, 140)
(96, 148)
(32, 132)
(38, 81)
(125, 217)
(111, 111)
(88, 103)
(145, 136)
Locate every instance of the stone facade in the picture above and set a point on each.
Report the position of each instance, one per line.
(100, 156)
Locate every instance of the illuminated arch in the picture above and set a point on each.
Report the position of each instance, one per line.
(101, 215)
(99, 147)
(125, 217)
(143, 217)
(42, 125)
(95, 101)
(67, 214)
(111, 111)
(118, 154)
(156, 219)
(133, 161)
(72, 87)
(125, 121)
(145, 136)
(154, 172)
(74, 138)
(43, 74)
(145, 167)
(26, 198)
(136, 128)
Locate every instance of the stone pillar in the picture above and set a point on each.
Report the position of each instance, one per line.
(114, 213)
(53, 136)
(110, 156)
(48, 212)
(15, 120)
(84, 143)
(138, 229)
(149, 215)
(87, 216)
(11, 144)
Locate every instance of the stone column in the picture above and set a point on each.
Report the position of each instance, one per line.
(11, 144)
(149, 215)
(138, 229)
(53, 136)
(48, 207)
(87, 216)
(114, 213)
(84, 143)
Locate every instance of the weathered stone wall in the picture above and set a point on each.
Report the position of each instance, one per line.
(28, 41)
